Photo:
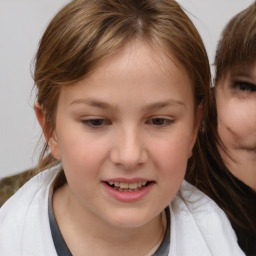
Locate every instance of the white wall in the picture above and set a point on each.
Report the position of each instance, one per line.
(21, 24)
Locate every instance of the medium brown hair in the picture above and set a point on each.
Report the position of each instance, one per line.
(237, 47)
(86, 32)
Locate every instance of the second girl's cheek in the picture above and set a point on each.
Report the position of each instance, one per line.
(239, 119)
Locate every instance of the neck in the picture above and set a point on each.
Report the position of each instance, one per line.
(87, 234)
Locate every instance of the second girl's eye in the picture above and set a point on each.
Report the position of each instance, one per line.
(245, 86)
(160, 121)
(95, 122)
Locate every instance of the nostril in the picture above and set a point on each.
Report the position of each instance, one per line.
(127, 159)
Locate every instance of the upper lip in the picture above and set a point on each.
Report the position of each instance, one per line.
(129, 181)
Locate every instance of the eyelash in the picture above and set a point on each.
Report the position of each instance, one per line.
(98, 122)
(163, 121)
(244, 86)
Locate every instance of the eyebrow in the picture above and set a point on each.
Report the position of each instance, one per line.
(243, 72)
(164, 104)
(92, 102)
(247, 78)
(152, 106)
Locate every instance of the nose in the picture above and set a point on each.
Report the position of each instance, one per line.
(129, 150)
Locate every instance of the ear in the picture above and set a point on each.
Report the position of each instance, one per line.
(50, 137)
(41, 119)
(197, 122)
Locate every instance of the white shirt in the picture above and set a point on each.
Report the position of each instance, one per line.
(198, 226)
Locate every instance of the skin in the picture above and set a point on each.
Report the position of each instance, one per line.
(236, 109)
(133, 118)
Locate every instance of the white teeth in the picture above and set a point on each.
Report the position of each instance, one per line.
(133, 185)
(124, 186)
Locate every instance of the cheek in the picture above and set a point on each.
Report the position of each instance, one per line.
(172, 157)
(237, 119)
(82, 163)
(171, 167)
(81, 155)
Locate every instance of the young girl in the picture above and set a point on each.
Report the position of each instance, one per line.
(231, 173)
(122, 86)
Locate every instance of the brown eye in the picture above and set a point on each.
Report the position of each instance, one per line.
(160, 121)
(245, 86)
(95, 122)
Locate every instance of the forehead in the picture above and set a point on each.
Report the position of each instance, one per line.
(136, 69)
(140, 56)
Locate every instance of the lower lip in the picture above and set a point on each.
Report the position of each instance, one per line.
(128, 196)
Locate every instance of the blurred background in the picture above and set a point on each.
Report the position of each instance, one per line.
(22, 23)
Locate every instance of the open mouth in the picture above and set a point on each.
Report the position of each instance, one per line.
(128, 187)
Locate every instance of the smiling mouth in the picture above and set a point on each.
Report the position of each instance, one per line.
(128, 187)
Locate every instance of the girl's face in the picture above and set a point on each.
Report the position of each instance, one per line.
(236, 108)
(124, 136)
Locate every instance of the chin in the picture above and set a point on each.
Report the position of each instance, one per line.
(129, 220)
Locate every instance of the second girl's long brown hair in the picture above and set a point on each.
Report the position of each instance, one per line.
(237, 47)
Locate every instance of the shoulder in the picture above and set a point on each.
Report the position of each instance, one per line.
(196, 201)
(198, 222)
(30, 192)
(24, 214)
